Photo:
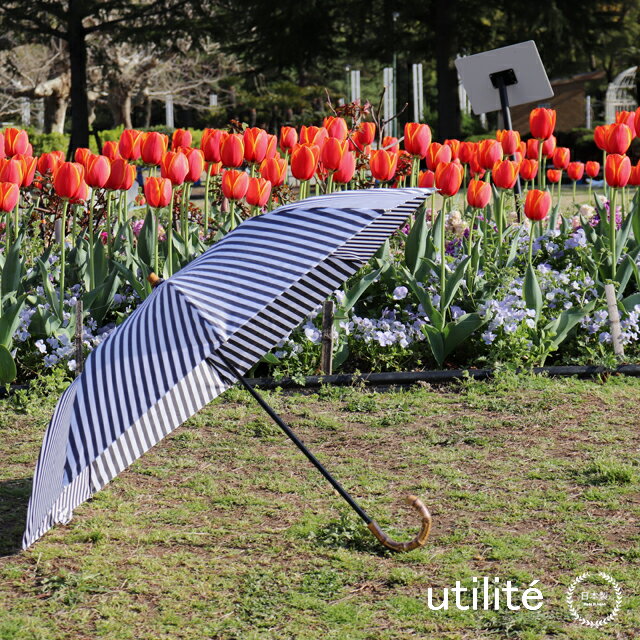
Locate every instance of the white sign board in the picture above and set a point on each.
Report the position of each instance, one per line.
(531, 81)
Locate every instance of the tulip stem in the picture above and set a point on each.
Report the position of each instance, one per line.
(330, 182)
(92, 281)
(63, 255)
(156, 218)
(540, 169)
(206, 201)
(15, 218)
(415, 168)
(109, 199)
(531, 234)
(443, 256)
(232, 215)
(500, 224)
(170, 235)
(612, 232)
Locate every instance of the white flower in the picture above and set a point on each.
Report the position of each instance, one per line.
(40, 346)
(400, 293)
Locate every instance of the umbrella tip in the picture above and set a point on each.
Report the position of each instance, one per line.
(154, 280)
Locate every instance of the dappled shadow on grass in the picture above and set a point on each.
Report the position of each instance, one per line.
(14, 500)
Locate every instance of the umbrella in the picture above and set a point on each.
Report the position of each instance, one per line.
(195, 335)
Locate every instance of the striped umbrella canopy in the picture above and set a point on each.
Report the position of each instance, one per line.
(185, 344)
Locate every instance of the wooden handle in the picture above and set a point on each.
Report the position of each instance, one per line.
(154, 280)
(419, 541)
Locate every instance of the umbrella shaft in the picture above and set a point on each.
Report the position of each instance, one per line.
(316, 463)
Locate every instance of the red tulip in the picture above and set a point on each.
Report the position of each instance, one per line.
(347, 168)
(175, 166)
(110, 149)
(533, 147)
(549, 147)
(129, 145)
(575, 171)
(478, 194)
(9, 194)
(68, 179)
(313, 135)
(232, 150)
(537, 204)
(336, 127)
(81, 155)
(628, 118)
(600, 135)
(489, 152)
(2, 153)
(180, 138)
(592, 168)
(255, 145)
(157, 191)
(153, 145)
(561, 157)
(449, 178)
(258, 192)
(288, 138)
(304, 160)
(98, 170)
(195, 158)
(210, 144)
(332, 153)
(636, 121)
(542, 122)
(467, 152)
(634, 176)
(417, 138)
(272, 146)
(505, 173)
(82, 194)
(475, 169)
(214, 168)
(510, 140)
(454, 145)
(437, 153)
(365, 134)
(426, 179)
(390, 143)
(15, 141)
(619, 138)
(274, 170)
(234, 184)
(529, 169)
(617, 170)
(383, 164)
(121, 176)
(28, 169)
(11, 171)
(48, 162)
(554, 175)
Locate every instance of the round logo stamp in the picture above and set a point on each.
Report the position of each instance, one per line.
(594, 599)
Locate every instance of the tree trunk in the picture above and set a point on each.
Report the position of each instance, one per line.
(446, 45)
(55, 113)
(120, 104)
(78, 62)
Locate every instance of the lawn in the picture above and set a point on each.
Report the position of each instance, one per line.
(224, 530)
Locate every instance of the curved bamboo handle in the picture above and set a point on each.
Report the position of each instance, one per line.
(154, 280)
(419, 541)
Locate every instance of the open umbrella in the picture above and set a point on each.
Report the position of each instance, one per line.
(192, 338)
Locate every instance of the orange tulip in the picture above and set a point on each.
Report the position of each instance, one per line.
(255, 145)
(449, 178)
(110, 149)
(129, 144)
(332, 153)
(48, 162)
(454, 145)
(549, 147)
(274, 170)
(81, 155)
(11, 171)
(600, 135)
(68, 179)
(478, 194)
(157, 191)
(153, 145)
(365, 134)
(234, 184)
(180, 138)
(210, 144)
(634, 176)
(467, 152)
(390, 143)
(426, 179)
(529, 169)
(505, 173)
(195, 158)
(28, 169)
(533, 146)
(489, 152)
(628, 118)
(313, 135)
(636, 121)
(288, 138)
(383, 164)
(417, 138)
(561, 157)
(258, 192)
(214, 168)
(554, 175)
(98, 170)
(510, 140)
(592, 168)
(617, 170)
(475, 169)
(336, 127)
(121, 176)
(575, 171)
(232, 150)
(347, 168)
(15, 141)
(304, 160)
(537, 204)
(619, 138)
(542, 122)
(272, 146)
(437, 153)
(9, 194)
(175, 166)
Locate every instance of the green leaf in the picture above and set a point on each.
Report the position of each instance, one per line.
(532, 291)
(341, 355)
(133, 280)
(631, 301)
(623, 236)
(10, 320)
(513, 248)
(553, 217)
(454, 281)
(457, 331)
(8, 370)
(270, 358)
(43, 324)
(424, 298)
(354, 294)
(560, 328)
(50, 295)
(12, 270)
(436, 342)
(145, 239)
(416, 242)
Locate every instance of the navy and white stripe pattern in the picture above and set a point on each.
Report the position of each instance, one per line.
(240, 298)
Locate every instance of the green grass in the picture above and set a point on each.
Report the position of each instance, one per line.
(224, 531)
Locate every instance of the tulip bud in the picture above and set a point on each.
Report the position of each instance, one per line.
(489, 152)
(332, 153)
(478, 194)
(110, 149)
(383, 164)
(16, 141)
(81, 155)
(529, 169)
(28, 165)
(11, 171)
(592, 168)
(467, 152)
(210, 144)
(181, 138)
(175, 166)
(561, 157)
(549, 147)
(232, 150)
(575, 171)
(129, 144)
(234, 184)
(121, 176)
(48, 162)
(336, 127)
(449, 178)
(346, 170)
(618, 138)
(454, 145)
(304, 161)
(255, 145)
(288, 138)
(258, 192)
(505, 173)
(9, 195)
(68, 179)
(542, 122)
(554, 175)
(510, 140)
(365, 134)
(437, 153)
(274, 170)
(98, 170)
(417, 138)
(153, 145)
(157, 191)
(426, 179)
(617, 170)
(537, 204)
(313, 135)
(195, 158)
